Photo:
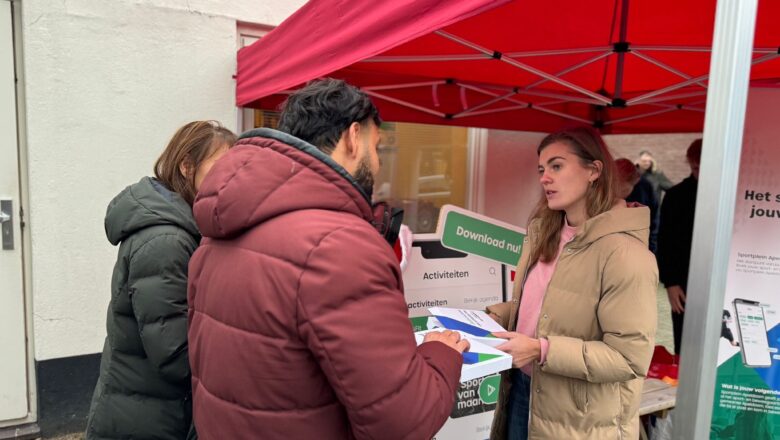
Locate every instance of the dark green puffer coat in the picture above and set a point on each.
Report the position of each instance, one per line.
(144, 387)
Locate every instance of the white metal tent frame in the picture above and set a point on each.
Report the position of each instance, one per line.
(657, 101)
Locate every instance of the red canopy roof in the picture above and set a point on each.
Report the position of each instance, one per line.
(624, 66)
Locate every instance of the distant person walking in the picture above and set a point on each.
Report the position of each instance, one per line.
(648, 168)
(144, 389)
(633, 188)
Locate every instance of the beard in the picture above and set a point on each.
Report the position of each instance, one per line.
(363, 176)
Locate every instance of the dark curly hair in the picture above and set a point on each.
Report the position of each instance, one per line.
(320, 112)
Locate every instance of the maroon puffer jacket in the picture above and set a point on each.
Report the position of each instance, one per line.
(298, 325)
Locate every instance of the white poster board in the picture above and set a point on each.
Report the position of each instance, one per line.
(439, 277)
(747, 389)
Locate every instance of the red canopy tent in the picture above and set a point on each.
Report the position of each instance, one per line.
(622, 66)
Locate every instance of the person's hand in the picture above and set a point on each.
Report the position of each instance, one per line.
(450, 339)
(676, 298)
(522, 348)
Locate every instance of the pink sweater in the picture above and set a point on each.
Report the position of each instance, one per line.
(533, 294)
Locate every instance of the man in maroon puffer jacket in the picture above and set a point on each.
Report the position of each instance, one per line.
(298, 324)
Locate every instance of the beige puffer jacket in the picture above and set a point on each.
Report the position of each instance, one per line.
(599, 316)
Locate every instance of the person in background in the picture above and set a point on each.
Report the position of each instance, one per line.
(298, 324)
(144, 388)
(648, 167)
(675, 234)
(583, 313)
(634, 189)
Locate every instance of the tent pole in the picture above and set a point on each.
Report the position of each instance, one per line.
(664, 66)
(559, 95)
(713, 226)
(477, 87)
(404, 86)
(472, 109)
(757, 50)
(560, 114)
(567, 84)
(572, 68)
(748, 62)
(404, 103)
(678, 107)
(539, 53)
(640, 116)
(489, 111)
(522, 66)
(621, 48)
(671, 97)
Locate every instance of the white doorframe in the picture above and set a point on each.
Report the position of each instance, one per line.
(246, 34)
(11, 14)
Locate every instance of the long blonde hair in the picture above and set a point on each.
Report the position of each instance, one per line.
(588, 145)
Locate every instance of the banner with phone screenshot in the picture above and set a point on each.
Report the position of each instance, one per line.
(747, 389)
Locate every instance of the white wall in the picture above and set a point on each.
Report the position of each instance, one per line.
(107, 84)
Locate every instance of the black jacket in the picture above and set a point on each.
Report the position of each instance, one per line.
(660, 183)
(643, 194)
(676, 232)
(144, 387)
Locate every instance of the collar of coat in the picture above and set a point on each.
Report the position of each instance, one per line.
(307, 148)
(632, 221)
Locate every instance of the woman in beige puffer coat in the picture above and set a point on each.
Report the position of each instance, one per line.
(583, 309)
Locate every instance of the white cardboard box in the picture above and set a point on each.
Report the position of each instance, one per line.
(481, 359)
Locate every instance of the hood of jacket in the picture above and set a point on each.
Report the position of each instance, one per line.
(622, 219)
(144, 204)
(267, 174)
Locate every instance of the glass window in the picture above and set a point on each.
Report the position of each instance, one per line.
(423, 168)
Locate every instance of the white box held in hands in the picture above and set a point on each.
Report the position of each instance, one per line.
(481, 360)
(475, 324)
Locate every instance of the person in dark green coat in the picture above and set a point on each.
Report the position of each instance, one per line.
(144, 387)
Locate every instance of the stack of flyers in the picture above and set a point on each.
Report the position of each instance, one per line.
(475, 325)
(481, 360)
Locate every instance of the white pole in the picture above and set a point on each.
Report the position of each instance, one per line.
(723, 126)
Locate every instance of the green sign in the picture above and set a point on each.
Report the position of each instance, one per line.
(474, 234)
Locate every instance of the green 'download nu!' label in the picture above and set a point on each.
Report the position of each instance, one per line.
(472, 233)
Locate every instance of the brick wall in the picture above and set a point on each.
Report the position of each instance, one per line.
(668, 150)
